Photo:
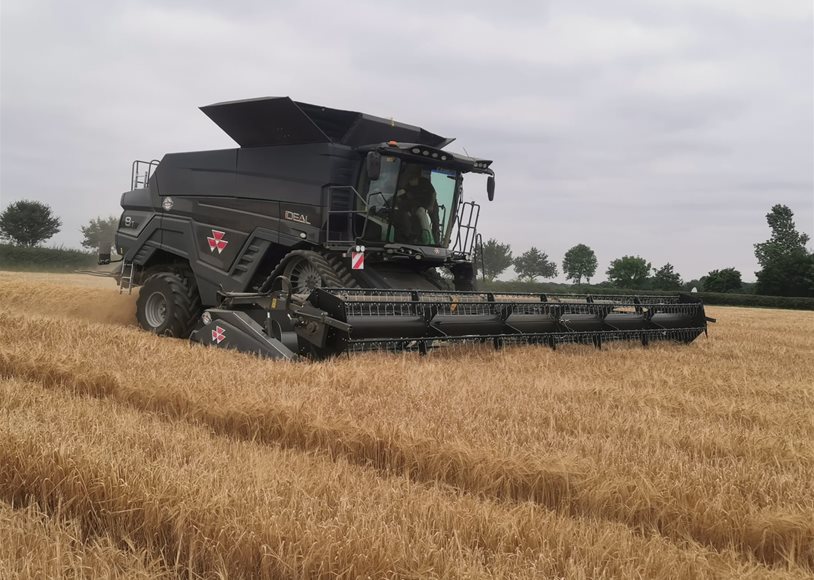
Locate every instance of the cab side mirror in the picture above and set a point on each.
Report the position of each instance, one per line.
(490, 187)
(373, 164)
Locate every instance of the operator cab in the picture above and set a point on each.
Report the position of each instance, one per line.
(411, 195)
(411, 203)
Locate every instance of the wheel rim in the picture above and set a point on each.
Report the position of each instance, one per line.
(303, 275)
(155, 309)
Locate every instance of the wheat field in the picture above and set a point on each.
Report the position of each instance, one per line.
(126, 455)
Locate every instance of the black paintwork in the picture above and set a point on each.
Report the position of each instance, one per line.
(281, 121)
(236, 212)
(330, 322)
(237, 330)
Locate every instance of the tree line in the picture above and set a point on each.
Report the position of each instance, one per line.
(787, 267)
(30, 223)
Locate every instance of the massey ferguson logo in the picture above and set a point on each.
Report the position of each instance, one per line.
(297, 217)
(216, 242)
(218, 334)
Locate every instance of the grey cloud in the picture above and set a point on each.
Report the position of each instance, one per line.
(665, 129)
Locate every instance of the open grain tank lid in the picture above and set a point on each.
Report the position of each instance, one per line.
(281, 121)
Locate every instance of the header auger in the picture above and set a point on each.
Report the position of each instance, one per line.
(322, 234)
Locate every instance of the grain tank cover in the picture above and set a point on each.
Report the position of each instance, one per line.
(281, 121)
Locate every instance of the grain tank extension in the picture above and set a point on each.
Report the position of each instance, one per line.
(328, 231)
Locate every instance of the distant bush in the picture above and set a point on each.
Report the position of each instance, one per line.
(35, 259)
(559, 288)
(711, 298)
(757, 300)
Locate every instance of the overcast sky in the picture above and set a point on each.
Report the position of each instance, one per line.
(665, 129)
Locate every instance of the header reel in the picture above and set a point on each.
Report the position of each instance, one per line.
(332, 321)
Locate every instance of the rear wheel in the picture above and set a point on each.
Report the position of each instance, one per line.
(168, 304)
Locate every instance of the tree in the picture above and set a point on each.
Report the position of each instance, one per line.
(99, 232)
(665, 278)
(791, 275)
(787, 268)
(726, 280)
(579, 262)
(695, 283)
(785, 240)
(534, 263)
(28, 223)
(629, 272)
(493, 258)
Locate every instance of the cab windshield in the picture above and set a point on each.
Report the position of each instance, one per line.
(411, 203)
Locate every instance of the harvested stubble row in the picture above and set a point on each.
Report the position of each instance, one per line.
(34, 545)
(212, 506)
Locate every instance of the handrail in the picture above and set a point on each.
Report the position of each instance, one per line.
(467, 220)
(346, 212)
(139, 179)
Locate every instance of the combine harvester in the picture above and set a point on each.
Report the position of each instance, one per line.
(321, 234)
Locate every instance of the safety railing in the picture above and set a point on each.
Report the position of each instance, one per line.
(467, 230)
(140, 173)
(340, 226)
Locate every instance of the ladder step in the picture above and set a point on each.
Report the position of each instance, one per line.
(127, 276)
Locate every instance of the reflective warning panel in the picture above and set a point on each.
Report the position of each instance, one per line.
(357, 260)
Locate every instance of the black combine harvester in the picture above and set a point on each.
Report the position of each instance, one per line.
(323, 233)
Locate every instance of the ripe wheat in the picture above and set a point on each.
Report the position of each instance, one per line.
(704, 448)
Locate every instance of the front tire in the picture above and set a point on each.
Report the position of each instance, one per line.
(168, 304)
